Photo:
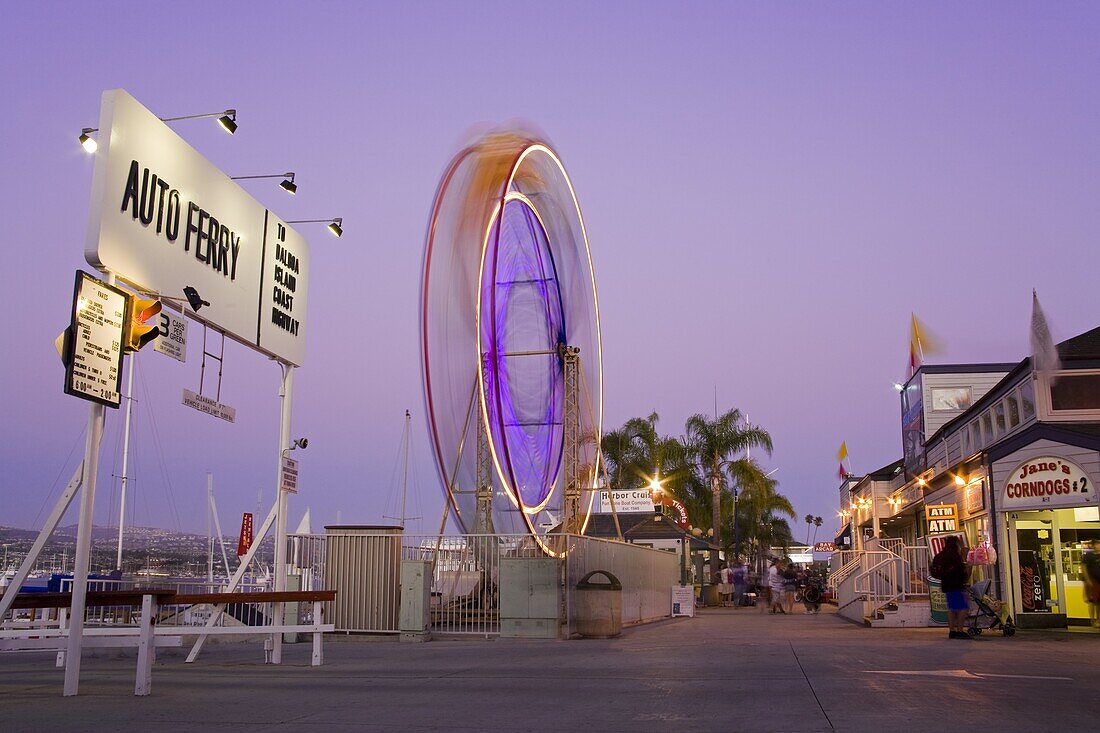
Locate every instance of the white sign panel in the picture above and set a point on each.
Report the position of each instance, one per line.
(94, 363)
(683, 600)
(1045, 483)
(627, 501)
(173, 335)
(163, 218)
(209, 406)
(289, 482)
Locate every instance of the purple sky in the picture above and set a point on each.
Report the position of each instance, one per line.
(769, 191)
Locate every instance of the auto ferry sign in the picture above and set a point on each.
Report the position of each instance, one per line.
(1047, 482)
(163, 218)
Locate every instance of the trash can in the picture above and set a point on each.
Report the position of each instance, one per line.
(599, 606)
(937, 602)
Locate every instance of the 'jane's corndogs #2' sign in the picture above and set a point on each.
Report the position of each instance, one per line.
(164, 218)
(1047, 482)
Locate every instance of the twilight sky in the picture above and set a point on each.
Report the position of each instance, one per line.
(769, 190)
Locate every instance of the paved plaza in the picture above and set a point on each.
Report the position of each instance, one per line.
(724, 670)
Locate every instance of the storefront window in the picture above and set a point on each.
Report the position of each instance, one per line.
(1013, 411)
(987, 427)
(1046, 567)
(1027, 397)
(1075, 392)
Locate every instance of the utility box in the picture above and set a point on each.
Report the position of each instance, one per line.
(290, 610)
(416, 596)
(530, 597)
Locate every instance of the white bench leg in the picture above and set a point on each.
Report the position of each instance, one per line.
(62, 617)
(144, 680)
(318, 637)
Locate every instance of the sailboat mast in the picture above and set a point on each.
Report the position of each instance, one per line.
(405, 475)
(125, 455)
(209, 531)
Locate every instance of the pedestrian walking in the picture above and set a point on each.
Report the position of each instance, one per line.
(790, 586)
(738, 576)
(949, 567)
(775, 586)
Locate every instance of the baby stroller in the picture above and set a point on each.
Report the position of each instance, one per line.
(987, 612)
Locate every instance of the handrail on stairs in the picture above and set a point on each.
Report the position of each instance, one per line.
(875, 577)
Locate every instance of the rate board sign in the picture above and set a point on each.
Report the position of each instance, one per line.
(163, 218)
(93, 350)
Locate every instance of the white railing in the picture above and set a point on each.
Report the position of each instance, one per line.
(849, 562)
(916, 560)
(883, 580)
(890, 544)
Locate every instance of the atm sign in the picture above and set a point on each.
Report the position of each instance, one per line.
(942, 518)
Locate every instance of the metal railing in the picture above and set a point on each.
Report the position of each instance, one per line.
(465, 590)
(883, 580)
(916, 561)
(364, 569)
(848, 562)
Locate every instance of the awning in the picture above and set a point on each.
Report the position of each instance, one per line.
(844, 539)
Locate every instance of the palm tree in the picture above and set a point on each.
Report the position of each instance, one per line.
(763, 507)
(712, 443)
(636, 454)
(809, 520)
(817, 523)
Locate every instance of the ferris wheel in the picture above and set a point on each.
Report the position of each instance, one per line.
(510, 342)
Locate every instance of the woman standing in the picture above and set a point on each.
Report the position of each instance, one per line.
(950, 568)
(790, 586)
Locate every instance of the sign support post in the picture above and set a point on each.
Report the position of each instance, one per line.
(84, 543)
(285, 395)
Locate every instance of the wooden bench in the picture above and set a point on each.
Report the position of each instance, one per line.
(146, 636)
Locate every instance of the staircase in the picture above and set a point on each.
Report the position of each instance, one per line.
(883, 586)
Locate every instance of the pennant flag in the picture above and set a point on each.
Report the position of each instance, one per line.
(841, 473)
(843, 452)
(921, 343)
(1044, 354)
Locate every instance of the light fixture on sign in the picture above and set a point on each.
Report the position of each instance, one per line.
(287, 184)
(335, 225)
(227, 119)
(87, 141)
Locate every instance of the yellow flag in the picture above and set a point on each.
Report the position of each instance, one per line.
(843, 452)
(921, 340)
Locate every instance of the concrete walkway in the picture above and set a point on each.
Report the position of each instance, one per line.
(725, 670)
